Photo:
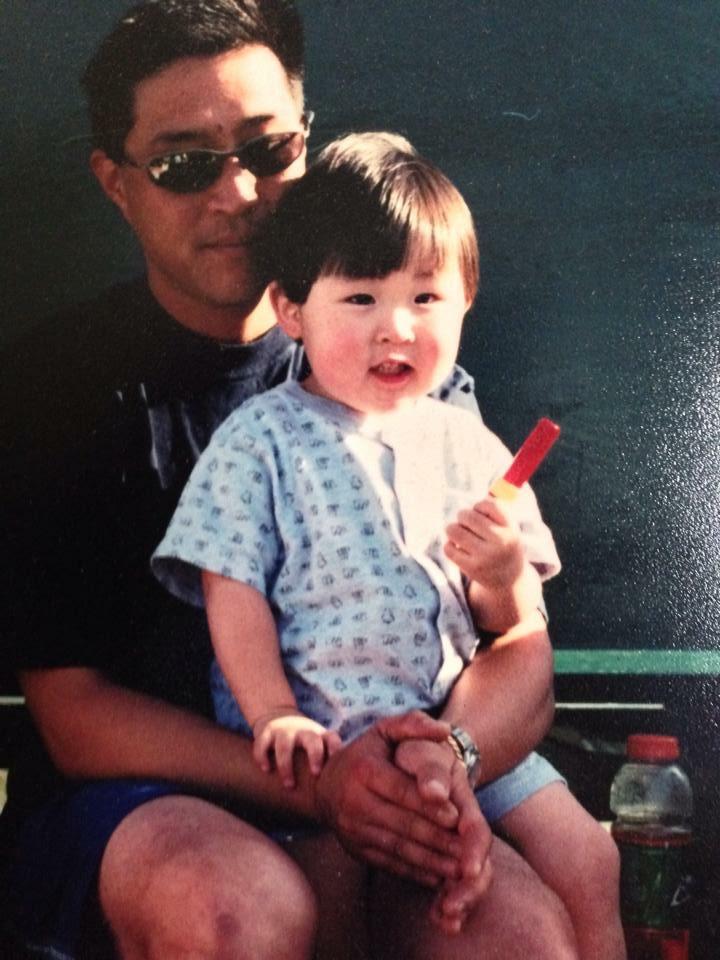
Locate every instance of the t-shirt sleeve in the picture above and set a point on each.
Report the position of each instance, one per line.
(458, 388)
(224, 522)
(51, 446)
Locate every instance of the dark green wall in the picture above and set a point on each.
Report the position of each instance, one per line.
(586, 142)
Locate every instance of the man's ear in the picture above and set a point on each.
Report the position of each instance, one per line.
(289, 314)
(109, 176)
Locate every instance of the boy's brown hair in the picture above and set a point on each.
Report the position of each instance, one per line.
(368, 204)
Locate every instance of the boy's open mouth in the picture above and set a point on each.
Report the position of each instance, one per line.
(391, 368)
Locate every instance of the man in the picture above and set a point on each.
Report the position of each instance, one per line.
(128, 808)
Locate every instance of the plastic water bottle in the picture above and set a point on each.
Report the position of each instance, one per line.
(652, 801)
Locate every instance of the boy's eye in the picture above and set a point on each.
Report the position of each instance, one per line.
(360, 299)
(425, 298)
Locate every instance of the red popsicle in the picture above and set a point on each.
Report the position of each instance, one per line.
(527, 459)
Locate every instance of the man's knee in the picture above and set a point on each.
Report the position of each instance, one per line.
(181, 878)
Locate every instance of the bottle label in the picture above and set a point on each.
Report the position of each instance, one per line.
(654, 883)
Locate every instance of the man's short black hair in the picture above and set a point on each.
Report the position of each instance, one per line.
(156, 33)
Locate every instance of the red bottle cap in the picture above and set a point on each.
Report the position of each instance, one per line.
(652, 748)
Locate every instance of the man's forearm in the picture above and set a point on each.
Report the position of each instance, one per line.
(504, 698)
(93, 728)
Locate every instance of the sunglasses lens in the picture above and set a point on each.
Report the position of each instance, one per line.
(196, 170)
(271, 154)
(187, 172)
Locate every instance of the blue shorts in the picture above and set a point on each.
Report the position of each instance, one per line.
(51, 896)
(507, 792)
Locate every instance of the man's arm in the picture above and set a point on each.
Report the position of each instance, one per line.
(504, 698)
(93, 728)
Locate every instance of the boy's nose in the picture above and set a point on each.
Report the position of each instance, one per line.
(398, 326)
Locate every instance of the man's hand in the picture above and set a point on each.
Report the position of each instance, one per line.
(441, 777)
(377, 811)
(282, 732)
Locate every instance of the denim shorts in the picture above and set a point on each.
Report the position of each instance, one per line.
(51, 896)
(507, 792)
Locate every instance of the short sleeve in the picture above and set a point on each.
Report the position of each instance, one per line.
(224, 522)
(458, 388)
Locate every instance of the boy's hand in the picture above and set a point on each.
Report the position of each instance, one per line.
(441, 777)
(485, 543)
(283, 733)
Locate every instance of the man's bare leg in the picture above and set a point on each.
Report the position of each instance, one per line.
(340, 884)
(517, 919)
(183, 879)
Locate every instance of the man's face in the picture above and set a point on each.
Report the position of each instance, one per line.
(198, 245)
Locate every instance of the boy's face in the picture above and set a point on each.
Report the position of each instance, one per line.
(377, 344)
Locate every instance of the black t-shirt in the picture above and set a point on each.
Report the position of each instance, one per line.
(103, 412)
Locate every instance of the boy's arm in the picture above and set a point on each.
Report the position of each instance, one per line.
(247, 648)
(504, 588)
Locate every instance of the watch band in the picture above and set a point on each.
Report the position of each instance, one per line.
(466, 750)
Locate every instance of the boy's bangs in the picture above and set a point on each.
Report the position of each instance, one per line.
(367, 207)
(389, 237)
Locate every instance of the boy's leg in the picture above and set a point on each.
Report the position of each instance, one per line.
(340, 884)
(518, 918)
(182, 878)
(577, 859)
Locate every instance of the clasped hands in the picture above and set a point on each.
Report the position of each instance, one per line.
(398, 798)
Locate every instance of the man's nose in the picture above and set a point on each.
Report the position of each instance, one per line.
(397, 326)
(236, 187)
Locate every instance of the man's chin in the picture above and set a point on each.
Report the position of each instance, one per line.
(244, 291)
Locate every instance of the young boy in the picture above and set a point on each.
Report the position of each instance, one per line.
(343, 524)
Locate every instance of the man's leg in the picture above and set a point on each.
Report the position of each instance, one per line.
(340, 884)
(183, 879)
(518, 918)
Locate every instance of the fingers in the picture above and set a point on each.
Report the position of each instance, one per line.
(414, 725)
(405, 857)
(332, 742)
(402, 792)
(472, 525)
(283, 735)
(430, 764)
(458, 897)
(376, 810)
(262, 745)
(485, 543)
(456, 900)
(284, 748)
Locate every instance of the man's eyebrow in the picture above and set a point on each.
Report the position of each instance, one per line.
(171, 138)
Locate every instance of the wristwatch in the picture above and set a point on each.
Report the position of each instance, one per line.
(466, 751)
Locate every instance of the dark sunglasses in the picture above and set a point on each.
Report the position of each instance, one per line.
(192, 171)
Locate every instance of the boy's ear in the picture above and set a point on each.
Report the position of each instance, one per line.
(289, 314)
